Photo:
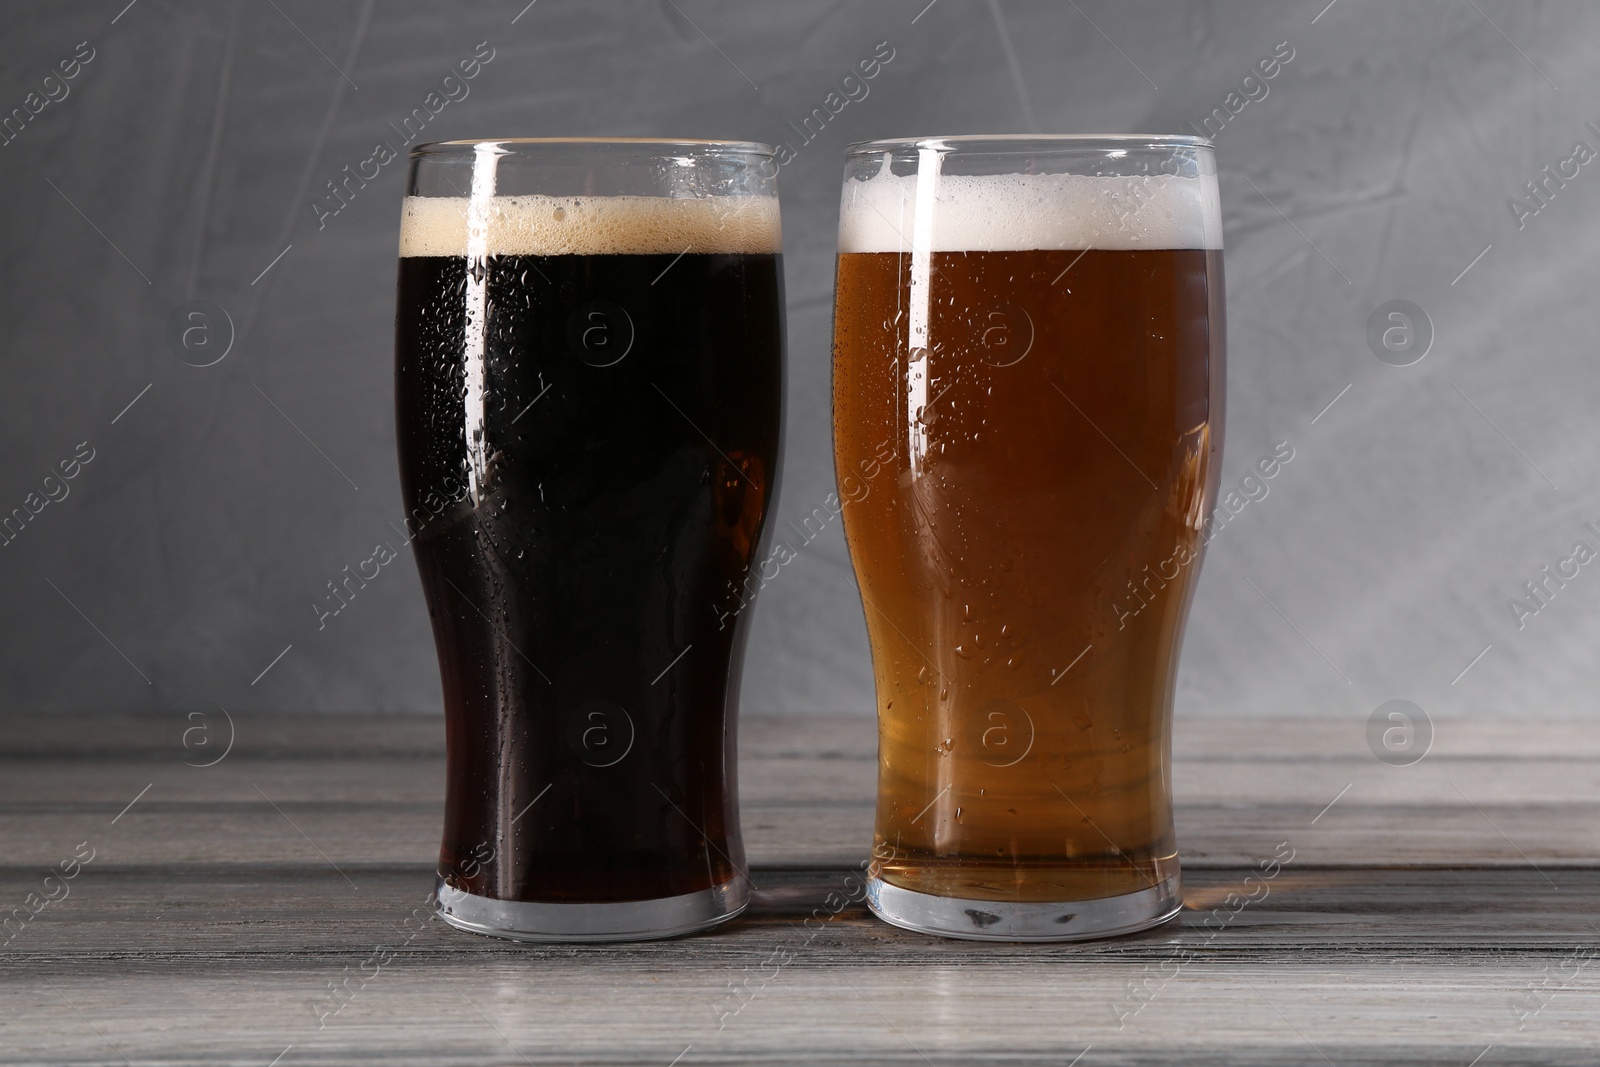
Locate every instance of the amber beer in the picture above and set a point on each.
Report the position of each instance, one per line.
(1043, 344)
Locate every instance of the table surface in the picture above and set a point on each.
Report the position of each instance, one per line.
(1444, 912)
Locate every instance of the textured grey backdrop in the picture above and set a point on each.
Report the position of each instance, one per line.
(185, 156)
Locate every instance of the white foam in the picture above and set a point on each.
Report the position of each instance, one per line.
(1018, 212)
(589, 225)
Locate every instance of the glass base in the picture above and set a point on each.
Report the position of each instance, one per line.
(1009, 920)
(633, 920)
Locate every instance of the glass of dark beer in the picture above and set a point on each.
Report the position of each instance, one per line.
(1032, 328)
(588, 371)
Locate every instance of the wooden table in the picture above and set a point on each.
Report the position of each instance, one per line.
(1441, 913)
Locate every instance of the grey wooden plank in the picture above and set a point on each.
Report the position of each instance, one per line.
(193, 966)
(1307, 913)
(1209, 835)
(834, 736)
(1424, 904)
(40, 781)
(800, 807)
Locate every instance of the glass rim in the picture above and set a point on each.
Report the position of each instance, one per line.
(1031, 143)
(643, 146)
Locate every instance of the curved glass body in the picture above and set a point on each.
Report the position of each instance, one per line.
(589, 361)
(1028, 384)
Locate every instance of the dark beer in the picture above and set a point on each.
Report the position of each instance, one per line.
(589, 433)
(1027, 564)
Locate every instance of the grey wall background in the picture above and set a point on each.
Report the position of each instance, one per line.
(187, 155)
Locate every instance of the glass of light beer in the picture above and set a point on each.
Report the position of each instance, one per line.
(588, 363)
(1032, 328)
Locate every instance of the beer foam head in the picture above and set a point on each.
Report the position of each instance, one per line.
(1018, 212)
(587, 225)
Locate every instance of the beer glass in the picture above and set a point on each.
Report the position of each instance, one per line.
(1027, 398)
(588, 370)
